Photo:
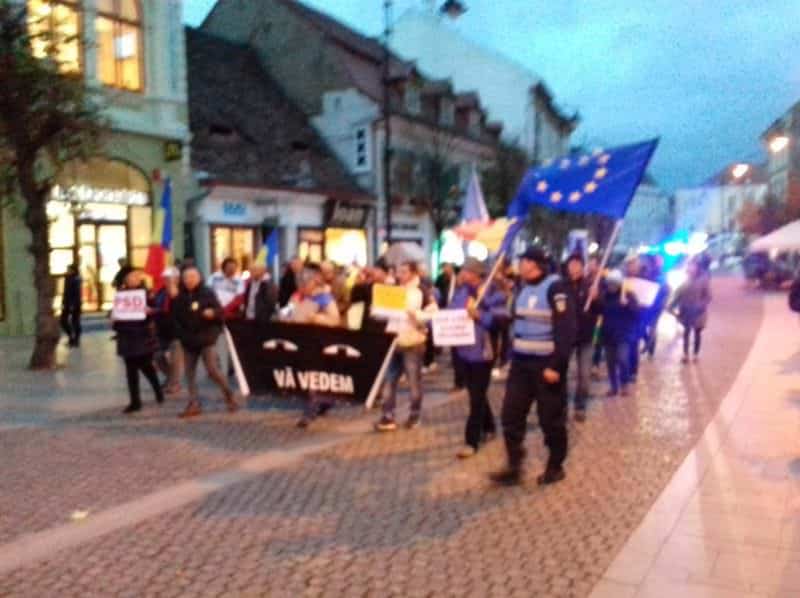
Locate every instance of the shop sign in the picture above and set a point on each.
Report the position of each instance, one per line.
(173, 151)
(86, 194)
(342, 214)
(234, 209)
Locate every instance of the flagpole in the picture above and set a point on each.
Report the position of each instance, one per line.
(603, 262)
(485, 286)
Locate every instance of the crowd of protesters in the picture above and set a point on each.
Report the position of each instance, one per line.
(530, 323)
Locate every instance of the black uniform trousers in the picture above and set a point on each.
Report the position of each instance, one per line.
(524, 386)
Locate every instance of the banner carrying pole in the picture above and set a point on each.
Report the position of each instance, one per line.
(604, 262)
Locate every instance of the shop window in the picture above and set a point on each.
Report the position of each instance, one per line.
(141, 234)
(55, 26)
(362, 150)
(99, 213)
(231, 241)
(346, 246)
(119, 44)
(311, 245)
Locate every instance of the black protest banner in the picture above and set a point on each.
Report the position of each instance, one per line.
(302, 360)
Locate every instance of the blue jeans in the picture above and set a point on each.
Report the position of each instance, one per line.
(617, 356)
(408, 360)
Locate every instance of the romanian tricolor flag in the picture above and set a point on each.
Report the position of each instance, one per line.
(269, 250)
(159, 255)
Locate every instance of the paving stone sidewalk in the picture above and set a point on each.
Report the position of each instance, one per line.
(397, 515)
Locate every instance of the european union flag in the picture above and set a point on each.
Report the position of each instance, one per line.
(603, 182)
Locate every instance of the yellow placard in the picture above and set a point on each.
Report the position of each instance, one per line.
(387, 299)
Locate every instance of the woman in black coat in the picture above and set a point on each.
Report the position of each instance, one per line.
(137, 344)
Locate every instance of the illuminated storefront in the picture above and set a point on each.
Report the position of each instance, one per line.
(99, 214)
(231, 221)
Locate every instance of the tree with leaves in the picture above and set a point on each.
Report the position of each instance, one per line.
(47, 119)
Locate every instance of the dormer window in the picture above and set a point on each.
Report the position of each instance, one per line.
(413, 99)
(447, 112)
(474, 123)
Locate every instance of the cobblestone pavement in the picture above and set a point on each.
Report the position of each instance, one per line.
(392, 515)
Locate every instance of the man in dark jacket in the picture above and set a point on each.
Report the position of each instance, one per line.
(71, 304)
(580, 287)
(543, 338)
(259, 301)
(288, 283)
(198, 324)
(446, 285)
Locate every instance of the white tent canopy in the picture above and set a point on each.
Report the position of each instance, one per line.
(786, 238)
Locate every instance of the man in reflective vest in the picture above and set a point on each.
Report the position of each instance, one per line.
(543, 335)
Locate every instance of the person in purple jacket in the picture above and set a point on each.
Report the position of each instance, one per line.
(478, 357)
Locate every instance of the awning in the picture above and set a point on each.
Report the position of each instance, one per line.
(786, 238)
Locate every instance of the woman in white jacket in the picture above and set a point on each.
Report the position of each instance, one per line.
(412, 331)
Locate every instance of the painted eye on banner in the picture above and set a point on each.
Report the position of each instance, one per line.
(345, 350)
(275, 344)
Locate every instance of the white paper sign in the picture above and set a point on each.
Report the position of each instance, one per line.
(645, 290)
(130, 306)
(453, 328)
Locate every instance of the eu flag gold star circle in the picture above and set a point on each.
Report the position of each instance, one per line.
(565, 164)
(590, 187)
(542, 186)
(600, 173)
(603, 159)
(556, 196)
(575, 197)
(584, 160)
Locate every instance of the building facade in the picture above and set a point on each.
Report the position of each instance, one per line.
(714, 207)
(511, 93)
(782, 142)
(262, 167)
(335, 75)
(131, 53)
(650, 218)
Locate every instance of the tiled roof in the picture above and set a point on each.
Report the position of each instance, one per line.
(245, 131)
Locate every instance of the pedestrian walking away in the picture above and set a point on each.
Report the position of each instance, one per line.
(137, 345)
(477, 358)
(71, 306)
(690, 306)
(198, 325)
(544, 331)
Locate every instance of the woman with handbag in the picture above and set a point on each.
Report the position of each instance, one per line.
(137, 344)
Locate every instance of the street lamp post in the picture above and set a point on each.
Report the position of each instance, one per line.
(452, 9)
(387, 125)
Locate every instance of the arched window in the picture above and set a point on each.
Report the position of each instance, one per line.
(55, 27)
(119, 44)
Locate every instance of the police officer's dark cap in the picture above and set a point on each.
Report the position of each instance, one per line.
(536, 254)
